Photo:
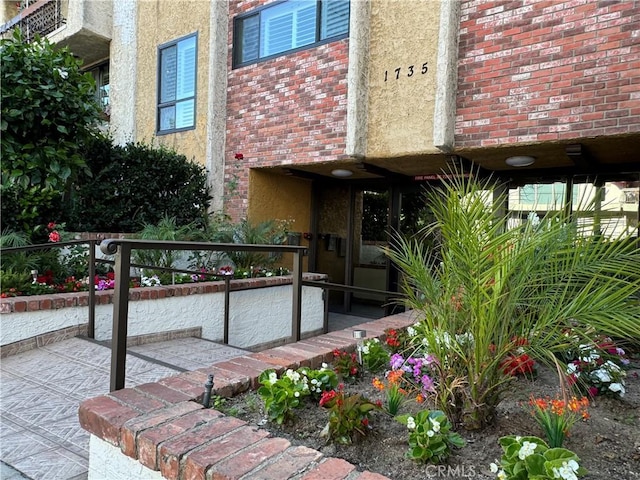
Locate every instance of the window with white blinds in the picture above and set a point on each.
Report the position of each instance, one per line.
(288, 25)
(177, 85)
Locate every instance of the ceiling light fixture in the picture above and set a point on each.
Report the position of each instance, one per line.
(341, 172)
(520, 161)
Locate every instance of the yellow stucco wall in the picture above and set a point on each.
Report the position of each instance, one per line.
(278, 197)
(159, 22)
(401, 109)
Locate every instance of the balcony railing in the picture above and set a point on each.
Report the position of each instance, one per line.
(40, 18)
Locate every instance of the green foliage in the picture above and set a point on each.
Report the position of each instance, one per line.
(282, 395)
(48, 115)
(530, 458)
(374, 356)
(486, 285)
(166, 229)
(430, 436)
(349, 415)
(137, 185)
(268, 232)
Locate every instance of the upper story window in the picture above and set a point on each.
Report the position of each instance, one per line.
(101, 76)
(177, 85)
(288, 25)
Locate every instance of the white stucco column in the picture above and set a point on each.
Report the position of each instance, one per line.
(358, 79)
(123, 69)
(447, 76)
(217, 100)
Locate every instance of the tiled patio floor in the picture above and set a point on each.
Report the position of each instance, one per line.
(40, 391)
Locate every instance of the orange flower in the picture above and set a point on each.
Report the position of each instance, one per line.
(378, 384)
(394, 376)
(420, 398)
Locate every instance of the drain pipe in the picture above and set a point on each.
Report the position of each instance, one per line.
(208, 387)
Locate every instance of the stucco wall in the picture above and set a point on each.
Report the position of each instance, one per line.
(161, 22)
(403, 45)
(256, 316)
(277, 197)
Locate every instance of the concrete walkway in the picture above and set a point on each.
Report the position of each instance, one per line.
(40, 391)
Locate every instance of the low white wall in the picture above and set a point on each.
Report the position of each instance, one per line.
(256, 316)
(107, 461)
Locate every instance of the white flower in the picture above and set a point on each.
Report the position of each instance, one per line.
(567, 471)
(273, 378)
(612, 367)
(411, 423)
(602, 375)
(411, 331)
(430, 433)
(572, 368)
(62, 73)
(528, 448)
(493, 467)
(502, 475)
(296, 394)
(365, 349)
(534, 219)
(314, 381)
(324, 366)
(618, 388)
(518, 438)
(436, 425)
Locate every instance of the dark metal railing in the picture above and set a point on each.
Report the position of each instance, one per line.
(91, 324)
(338, 287)
(122, 249)
(39, 18)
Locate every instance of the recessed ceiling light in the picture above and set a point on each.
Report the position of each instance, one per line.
(520, 161)
(341, 172)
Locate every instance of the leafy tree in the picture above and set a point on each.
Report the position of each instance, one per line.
(48, 114)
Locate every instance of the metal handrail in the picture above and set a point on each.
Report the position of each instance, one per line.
(346, 288)
(122, 249)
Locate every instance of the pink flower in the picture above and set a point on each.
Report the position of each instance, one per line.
(54, 236)
(51, 225)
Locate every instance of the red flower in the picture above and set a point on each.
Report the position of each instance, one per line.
(365, 422)
(54, 236)
(51, 225)
(327, 397)
(239, 156)
(111, 275)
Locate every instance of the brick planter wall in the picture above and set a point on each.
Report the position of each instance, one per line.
(170, 434)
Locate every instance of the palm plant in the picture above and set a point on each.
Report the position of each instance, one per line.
(486, 287)
(268, 232)
(166, 229)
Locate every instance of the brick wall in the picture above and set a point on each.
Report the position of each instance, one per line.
(288, 110)
(532, 71)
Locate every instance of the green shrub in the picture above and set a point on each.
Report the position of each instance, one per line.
(137, 185)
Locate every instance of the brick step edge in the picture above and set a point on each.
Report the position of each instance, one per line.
(164, 426)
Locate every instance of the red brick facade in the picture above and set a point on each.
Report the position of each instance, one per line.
(287, 110)
(534, 71)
